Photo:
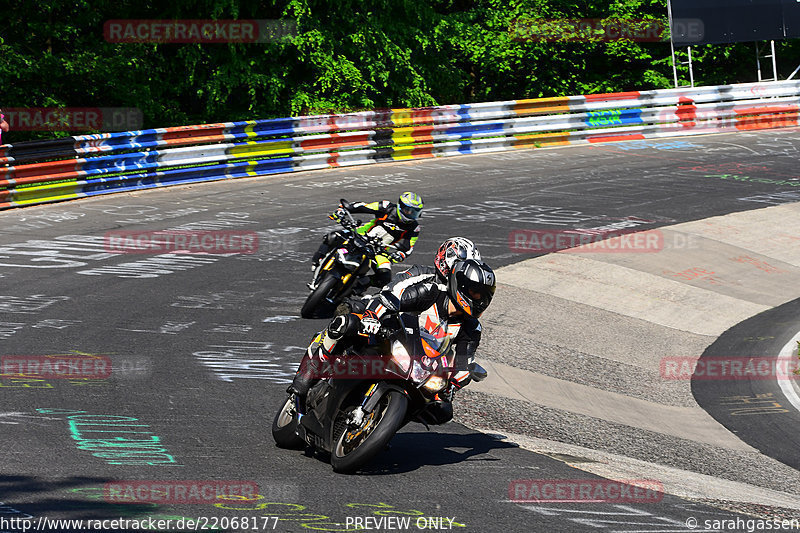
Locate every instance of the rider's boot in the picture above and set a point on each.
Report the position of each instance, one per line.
(361, 285)
(318, 255)
(320, 352)
(381, 277)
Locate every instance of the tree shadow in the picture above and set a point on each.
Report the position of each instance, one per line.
(77, 497)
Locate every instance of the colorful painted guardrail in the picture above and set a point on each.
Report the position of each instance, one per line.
(87, 165)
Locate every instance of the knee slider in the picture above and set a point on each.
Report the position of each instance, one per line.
(342, 325)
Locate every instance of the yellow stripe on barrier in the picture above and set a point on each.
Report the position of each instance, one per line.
(401, 153)
(46, 193)
(540, 140)
(416, 151)
(250, 166)
(403, 136)
(255, 149)
(541, 106)
(248, 130)
(402, 117)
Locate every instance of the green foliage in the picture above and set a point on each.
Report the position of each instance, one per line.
(345, 55)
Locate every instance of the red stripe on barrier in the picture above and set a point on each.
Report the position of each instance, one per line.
(177, 141)
(770, 109)
(41, 179)
(423, 133)
(423, 114)
(612, 138)
(333, 159)
(191, 132)
(423, 151)
(336, 140)
(765, 122)
(612, 96)
(46, 169)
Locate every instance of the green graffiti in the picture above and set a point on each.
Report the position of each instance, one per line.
(111, 438)
(604, 118)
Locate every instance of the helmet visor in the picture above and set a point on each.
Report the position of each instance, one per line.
(473, 297)
(410, 211)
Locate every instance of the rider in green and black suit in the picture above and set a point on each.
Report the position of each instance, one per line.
(396, 225)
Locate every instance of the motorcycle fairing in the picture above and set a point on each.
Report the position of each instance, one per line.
(436, 333)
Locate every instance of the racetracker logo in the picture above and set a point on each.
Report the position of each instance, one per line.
(604, 30)
(55, 366)
(198, 31)
(73, 118)
(582, 241)
(173, 492)
(354, 368)
(190, 242)
(729, 368)
(585, 491)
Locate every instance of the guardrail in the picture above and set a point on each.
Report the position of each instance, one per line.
(88, 165)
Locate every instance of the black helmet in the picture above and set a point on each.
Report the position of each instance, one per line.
(471, 286)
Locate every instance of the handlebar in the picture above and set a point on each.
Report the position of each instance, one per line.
(373, 244)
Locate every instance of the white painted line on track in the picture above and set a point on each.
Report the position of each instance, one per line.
(786, 384)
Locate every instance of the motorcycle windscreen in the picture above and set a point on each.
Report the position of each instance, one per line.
(351, 259)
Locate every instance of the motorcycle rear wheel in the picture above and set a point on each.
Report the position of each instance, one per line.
(352, 448)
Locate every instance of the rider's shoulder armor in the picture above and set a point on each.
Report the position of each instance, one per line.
(413, 291)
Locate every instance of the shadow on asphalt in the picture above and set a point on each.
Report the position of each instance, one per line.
(73, 497)
(412, 450)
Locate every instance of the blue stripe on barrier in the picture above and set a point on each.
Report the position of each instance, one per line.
(120, 162)
(468, 129)
(173, 177)
(465, 147)
(278, 126)
(613, 117)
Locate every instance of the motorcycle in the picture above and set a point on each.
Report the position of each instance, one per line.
(362, 398)
(343, 270)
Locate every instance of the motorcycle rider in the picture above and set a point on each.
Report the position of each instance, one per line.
(396, 225)
(449, 300)
(451, 250)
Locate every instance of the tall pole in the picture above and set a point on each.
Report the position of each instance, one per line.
(672, 44)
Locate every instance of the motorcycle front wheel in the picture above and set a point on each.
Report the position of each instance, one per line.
(355, 446)
(317, 297)
(284, 426)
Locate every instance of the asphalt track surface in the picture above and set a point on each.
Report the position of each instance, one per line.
(771, 420)
(203, 346)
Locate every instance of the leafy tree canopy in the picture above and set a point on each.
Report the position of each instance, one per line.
(344, 55)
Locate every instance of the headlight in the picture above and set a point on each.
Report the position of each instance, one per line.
(400, 356)
(418, 373)
(435, 384)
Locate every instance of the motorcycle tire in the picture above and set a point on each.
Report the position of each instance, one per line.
(317, 297)
(392, 407)
(284, 427)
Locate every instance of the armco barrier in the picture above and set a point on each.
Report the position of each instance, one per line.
(87, 165)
